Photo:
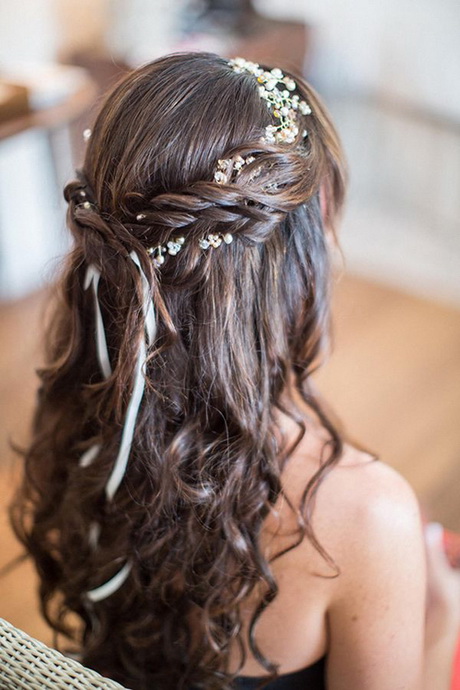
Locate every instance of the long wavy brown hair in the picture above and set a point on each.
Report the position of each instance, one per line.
(237, 327)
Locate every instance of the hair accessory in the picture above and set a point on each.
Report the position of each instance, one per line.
(175, 245)
(215, 240)
(276, 89)
(111, 586)
(228, 169)
(172, 247)
(89, 456)
(86, 134)
(92, 278)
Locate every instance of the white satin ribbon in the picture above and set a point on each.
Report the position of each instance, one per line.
(111, 586)
(94, 534)
(90, 455)
(121, 461)
(147, 305)
(92, 278)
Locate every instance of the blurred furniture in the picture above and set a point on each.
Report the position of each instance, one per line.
(57, 96)
(243, 31)
(36, 160)
(26, 663)
(284, 44)
(56, 116)
(14, 101)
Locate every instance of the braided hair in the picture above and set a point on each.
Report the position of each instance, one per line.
(234, 328)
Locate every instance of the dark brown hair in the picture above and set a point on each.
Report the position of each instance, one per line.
(237, 326)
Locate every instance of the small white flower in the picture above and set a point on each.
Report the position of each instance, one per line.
(304, 108)
(173, 248)
(220, 177)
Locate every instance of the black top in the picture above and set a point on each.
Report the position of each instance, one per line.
(310, 678)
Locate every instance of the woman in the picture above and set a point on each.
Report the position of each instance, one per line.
(185, 494)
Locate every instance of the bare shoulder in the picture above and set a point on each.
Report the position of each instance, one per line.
(365, 503)
(360, 495)
(369, 520)
(371, 589)
(367, 485)
(361, 505)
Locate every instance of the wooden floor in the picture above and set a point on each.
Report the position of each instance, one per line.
(394, 379)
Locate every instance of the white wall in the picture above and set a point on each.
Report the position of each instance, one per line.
(28, 30)
(32, 213)
(409, 48)
(403, 220)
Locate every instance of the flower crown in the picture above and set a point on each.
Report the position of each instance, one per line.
(276, 89)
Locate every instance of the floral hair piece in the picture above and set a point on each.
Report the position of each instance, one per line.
(121, 460)
(173, 246)
(276, 89)
(229, 168)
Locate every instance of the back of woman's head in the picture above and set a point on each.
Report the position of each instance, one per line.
(179, 154)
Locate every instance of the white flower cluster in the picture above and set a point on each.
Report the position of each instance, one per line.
(215, 240)
(172, 247)
(276, 89)
(228, 168)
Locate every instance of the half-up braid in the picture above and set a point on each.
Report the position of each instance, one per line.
(233, 329)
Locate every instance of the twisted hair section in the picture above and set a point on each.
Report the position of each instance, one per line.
(237, 329)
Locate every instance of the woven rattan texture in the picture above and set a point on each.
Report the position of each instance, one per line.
(26, 664)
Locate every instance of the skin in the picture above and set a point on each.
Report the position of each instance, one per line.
(369, 620)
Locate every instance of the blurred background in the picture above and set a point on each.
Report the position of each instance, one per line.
(389, 72)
